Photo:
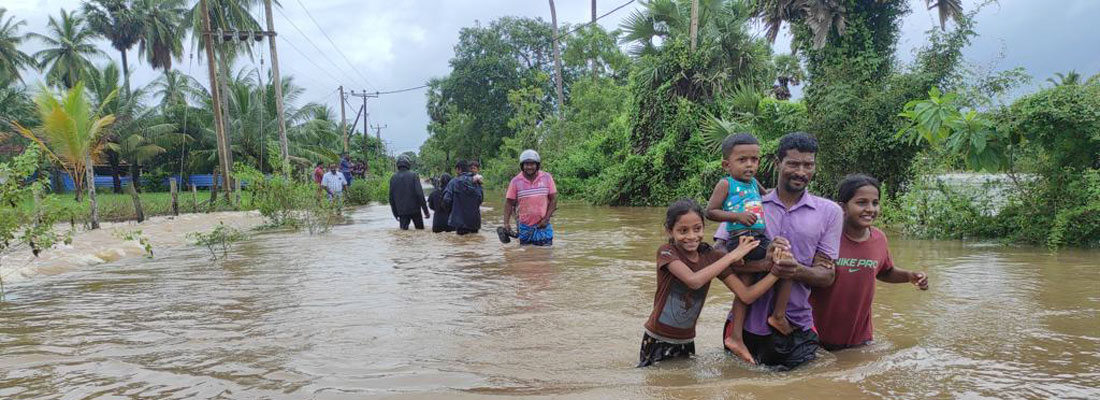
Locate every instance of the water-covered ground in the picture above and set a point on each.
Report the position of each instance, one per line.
(370, 311)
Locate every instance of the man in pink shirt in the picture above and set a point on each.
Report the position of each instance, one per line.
(533, 197)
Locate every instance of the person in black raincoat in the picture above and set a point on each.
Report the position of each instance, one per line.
(435, 203)
(463, 196)
(407, 196)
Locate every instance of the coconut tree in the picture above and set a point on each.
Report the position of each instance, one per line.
(119, 22)
(68, 51)
(162, 23)
(11, 58)
(1067, 79)
(103, 87)
(145, 136)
(72, 134)
(174, 88)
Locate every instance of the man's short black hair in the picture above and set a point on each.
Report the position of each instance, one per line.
(474, 163)
(734, 140)
(462, 166)
(801, 141)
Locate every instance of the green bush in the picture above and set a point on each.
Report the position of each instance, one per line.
(371, 189)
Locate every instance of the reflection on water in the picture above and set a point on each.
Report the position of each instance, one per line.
(368, 310)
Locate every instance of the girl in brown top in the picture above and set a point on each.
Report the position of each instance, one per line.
(685, 266)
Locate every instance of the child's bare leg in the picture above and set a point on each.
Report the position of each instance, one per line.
(734, 340)
(778, 319)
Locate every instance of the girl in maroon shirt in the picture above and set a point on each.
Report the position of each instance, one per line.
(842, 312)
(685, 267)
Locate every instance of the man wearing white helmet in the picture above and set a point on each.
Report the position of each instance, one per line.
(533, 196)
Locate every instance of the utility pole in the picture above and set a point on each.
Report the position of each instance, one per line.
(378, 131)
(343, 119)
(694, 22)
(219, 125)
(364, 95)
(557, 59)
(278, 83)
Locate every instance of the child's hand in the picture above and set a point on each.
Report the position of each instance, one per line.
(745, 244)
(919, 279)
(745, 218)
(779, 245)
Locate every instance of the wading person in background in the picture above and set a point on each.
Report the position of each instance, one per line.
(533, 196)
(334, 184)
(842, 311)
(318, 175)
(463, 197)
(407, 196)
(345, 168)
(435, 203)
(811, 226)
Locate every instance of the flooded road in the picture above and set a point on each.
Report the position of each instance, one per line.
(370, 311)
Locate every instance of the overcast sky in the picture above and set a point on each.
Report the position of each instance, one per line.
(399, 44)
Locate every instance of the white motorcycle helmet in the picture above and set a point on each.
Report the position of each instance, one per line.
(529, 156)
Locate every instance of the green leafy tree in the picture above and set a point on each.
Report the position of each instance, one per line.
(31, 227)
(69, 50)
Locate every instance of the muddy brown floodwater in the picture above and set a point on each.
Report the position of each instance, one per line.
(370, 311)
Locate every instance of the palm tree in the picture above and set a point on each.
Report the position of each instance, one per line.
(788, 71)
(11, 58)
(821, 16)
(162, 31)
(103, 87)
(119, 22)
(145, 137)
(69, 48)
(728, 51)
(175, 88)
(72, 134)
(1070, 78)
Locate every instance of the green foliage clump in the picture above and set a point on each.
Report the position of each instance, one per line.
(372, 189)
(286, 202)
(222, 237)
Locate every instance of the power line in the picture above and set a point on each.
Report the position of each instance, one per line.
(304, 35)
(401, 90)
(558, 38)
(334, 46)
(310, 60)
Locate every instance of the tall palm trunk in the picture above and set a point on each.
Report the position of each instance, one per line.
(89, 174)
(112, 159)
(125, 73)
(135, 177)
(557, 58)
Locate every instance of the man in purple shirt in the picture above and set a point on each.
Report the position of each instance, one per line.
(812, 227)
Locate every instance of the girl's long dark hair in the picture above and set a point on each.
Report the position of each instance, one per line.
(678, 209)
(851, 183)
